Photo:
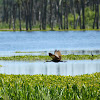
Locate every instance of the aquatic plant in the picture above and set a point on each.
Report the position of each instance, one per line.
(27, 52)
(50, 87)
(0, 65)
(64, 57)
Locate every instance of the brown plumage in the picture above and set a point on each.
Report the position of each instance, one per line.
(56, 57)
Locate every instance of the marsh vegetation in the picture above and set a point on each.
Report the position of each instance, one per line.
(50, 87)
(41, 16)
(46, 58)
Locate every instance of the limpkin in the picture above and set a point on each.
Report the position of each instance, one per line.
(56, 57)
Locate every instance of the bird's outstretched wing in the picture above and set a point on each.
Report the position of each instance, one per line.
(56, 57)
(58, 54)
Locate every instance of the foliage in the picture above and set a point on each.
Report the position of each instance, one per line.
(52, 87)
(37, 14)
(90, 15)
(64, 57)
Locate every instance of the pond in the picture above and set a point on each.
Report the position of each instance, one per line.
(66, 68)
(49, 40)
(43, 42)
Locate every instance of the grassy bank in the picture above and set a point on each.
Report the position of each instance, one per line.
(48, 29)
(52, 87)
(42, 58)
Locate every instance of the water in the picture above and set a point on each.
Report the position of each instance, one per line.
(50, 40)
(45, 53)
(69, 42)
(72, 68)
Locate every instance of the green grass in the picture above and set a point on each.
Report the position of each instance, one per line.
(52, 87)
(45, 58)
(49, 29)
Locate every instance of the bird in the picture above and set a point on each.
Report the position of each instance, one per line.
(56, 57)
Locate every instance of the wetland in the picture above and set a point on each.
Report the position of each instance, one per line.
(27, 72)
(29, 50)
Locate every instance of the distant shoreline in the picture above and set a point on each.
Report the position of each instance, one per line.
(48, 29)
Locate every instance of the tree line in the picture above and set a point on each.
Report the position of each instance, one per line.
(61, 14)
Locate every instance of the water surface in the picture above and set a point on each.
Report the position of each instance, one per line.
(72, 68)
(49, 40)
(69, 42)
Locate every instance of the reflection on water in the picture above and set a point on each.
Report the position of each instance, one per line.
(10, 53)
(51, 68)
(63, 52)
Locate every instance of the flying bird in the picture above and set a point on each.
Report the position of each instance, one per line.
(56, 57)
